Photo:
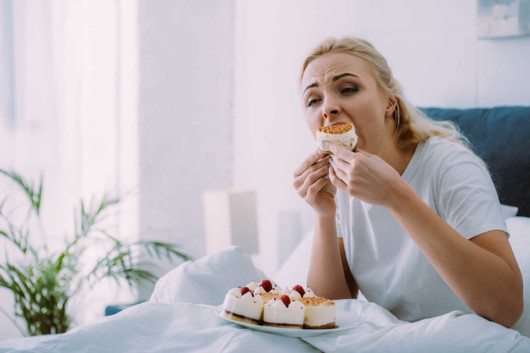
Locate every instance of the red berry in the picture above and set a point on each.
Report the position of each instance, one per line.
(299, 289)
(266, 284)
(245, 290)
(286, 300)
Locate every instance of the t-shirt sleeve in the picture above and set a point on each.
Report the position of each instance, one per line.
(466, 197)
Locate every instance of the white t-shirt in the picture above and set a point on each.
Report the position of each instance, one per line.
(386, 264)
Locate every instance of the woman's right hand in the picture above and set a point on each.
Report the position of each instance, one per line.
(311, 181)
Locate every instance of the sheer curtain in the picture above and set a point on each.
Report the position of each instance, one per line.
(68, 83)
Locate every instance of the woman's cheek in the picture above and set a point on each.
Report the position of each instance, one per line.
(313, 125)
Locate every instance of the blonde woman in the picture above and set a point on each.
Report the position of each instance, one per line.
(410, 217)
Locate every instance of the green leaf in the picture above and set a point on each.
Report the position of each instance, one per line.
(34, 197)
(39, 195)
(59, 262)
(169, 249)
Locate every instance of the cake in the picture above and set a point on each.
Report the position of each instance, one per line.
(266, 304)
(319, 313)
(241, 304)
(268, 296)
(267, 287)
(284, 313)
(252, 286)
(341, 134)
(297, 292)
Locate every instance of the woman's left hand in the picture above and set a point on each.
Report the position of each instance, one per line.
(363, 175)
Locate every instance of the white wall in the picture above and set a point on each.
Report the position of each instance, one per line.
(430, 45)
(185, 106)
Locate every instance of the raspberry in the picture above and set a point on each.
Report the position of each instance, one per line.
(246, 290)
(266, 284)
(286, 300)
(299, 289)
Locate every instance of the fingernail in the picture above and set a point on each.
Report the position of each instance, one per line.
(320, 153)
(326, 177)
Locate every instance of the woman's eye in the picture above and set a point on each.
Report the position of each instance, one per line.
(349, 90)
(311, 102)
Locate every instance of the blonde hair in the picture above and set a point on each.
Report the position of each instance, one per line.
(412, 125)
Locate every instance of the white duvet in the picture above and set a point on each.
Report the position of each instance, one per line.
(181, 317)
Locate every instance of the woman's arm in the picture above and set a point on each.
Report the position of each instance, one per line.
(328, 277)
(482, 271)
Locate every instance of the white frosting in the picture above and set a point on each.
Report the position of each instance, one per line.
(245, 305)
(276, 289)
(252, 286)
(259, 290)
(236, 292)
(285, 291)
(309, 293)
(319, 315)
(295, 295)
(276, 312)
(347, 139)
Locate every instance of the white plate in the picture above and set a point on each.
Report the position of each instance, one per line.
(344, 321)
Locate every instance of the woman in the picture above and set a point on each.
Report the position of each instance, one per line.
(411, 216)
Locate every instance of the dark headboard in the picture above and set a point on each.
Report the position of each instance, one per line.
(501, 137)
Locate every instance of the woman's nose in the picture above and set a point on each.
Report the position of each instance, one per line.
(330, 108)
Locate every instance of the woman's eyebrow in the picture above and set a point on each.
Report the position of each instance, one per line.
(335, 78)
(338, 77)
(311, 86)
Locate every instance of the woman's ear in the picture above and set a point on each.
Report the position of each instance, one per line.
(391, 106)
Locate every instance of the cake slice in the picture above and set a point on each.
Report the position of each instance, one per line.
(284, 313)
(319, 313)
(267, 287)
(242, 305)
(297, 292)
(268, 296)
(341, 134)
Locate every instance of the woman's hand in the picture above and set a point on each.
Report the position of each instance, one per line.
(312, 182)
(363, 175)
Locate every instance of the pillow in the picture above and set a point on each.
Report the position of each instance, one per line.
(206, 281)
(519, 229)
(509, 211)
(295, 269)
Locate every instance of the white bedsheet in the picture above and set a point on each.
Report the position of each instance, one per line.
(182, 318)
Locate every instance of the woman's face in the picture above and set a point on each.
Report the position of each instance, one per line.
(340, 88)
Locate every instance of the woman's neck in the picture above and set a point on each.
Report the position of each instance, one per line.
(398, 157)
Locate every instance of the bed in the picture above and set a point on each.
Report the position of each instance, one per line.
(182, 314)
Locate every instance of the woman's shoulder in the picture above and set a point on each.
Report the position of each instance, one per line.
(440, 144)
(438, 157)
(443, 151)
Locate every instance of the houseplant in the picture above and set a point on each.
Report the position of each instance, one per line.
(43, 281)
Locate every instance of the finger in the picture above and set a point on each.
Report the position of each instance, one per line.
(312, 159)
(340, 151)
(341, 174)
(340, 164)
(363, 152)
(298, 181)
(312, 178)
(335, 180)
(314, 189)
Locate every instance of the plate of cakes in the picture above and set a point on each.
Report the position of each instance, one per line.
(292, 311)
